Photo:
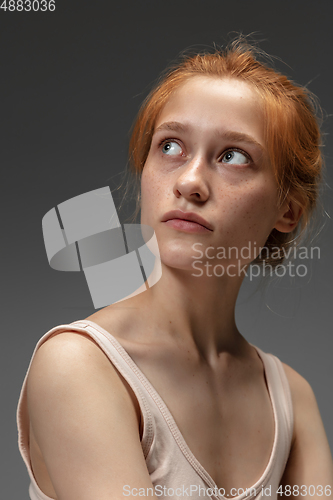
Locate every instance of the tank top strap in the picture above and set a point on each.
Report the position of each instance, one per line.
(282, 401)
(123, 363)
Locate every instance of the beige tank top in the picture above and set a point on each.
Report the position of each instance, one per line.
(174, 471)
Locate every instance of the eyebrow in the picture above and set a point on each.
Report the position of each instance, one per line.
(174, 126)
(229, 134)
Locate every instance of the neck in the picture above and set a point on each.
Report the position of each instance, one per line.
(198, 310)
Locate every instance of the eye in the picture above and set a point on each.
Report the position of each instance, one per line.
(235, 157)
(171, 148)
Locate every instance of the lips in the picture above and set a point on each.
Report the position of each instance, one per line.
(189, 216)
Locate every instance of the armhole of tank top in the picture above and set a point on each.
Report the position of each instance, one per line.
(287, 396)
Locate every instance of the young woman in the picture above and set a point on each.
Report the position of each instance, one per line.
(160, 395)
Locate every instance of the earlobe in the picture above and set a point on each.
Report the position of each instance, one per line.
(291, 213)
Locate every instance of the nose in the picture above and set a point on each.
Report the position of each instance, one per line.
(192, 183)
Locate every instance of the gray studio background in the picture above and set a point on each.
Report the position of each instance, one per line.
(71, 84)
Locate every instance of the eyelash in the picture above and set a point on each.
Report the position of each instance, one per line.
(166, 140)
(229, 150)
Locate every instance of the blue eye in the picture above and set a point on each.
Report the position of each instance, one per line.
(235, 158)
(171, 148)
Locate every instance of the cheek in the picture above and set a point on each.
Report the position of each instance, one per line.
(153, 191)
(251, 207)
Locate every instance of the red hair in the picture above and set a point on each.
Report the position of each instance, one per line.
(292, 132)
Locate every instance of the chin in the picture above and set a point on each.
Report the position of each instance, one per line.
(177, 264)
(176, 256)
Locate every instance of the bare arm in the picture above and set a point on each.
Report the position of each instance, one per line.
(84, 421)
(310, 465)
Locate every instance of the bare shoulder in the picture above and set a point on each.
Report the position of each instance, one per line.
(69, 355)
(84, 419)
(301, 390)
(303, 398)
(74, 349)
(310, 460)
(72, 360)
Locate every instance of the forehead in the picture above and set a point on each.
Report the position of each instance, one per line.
(211, 102)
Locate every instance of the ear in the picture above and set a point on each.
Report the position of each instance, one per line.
(290, 214)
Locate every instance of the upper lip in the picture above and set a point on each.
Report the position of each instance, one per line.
(191, 216)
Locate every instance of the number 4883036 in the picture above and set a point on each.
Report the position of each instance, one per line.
(28, 5)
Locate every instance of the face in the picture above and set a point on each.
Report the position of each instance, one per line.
(207, 162)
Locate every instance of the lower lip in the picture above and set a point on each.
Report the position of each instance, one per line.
(187, 226)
